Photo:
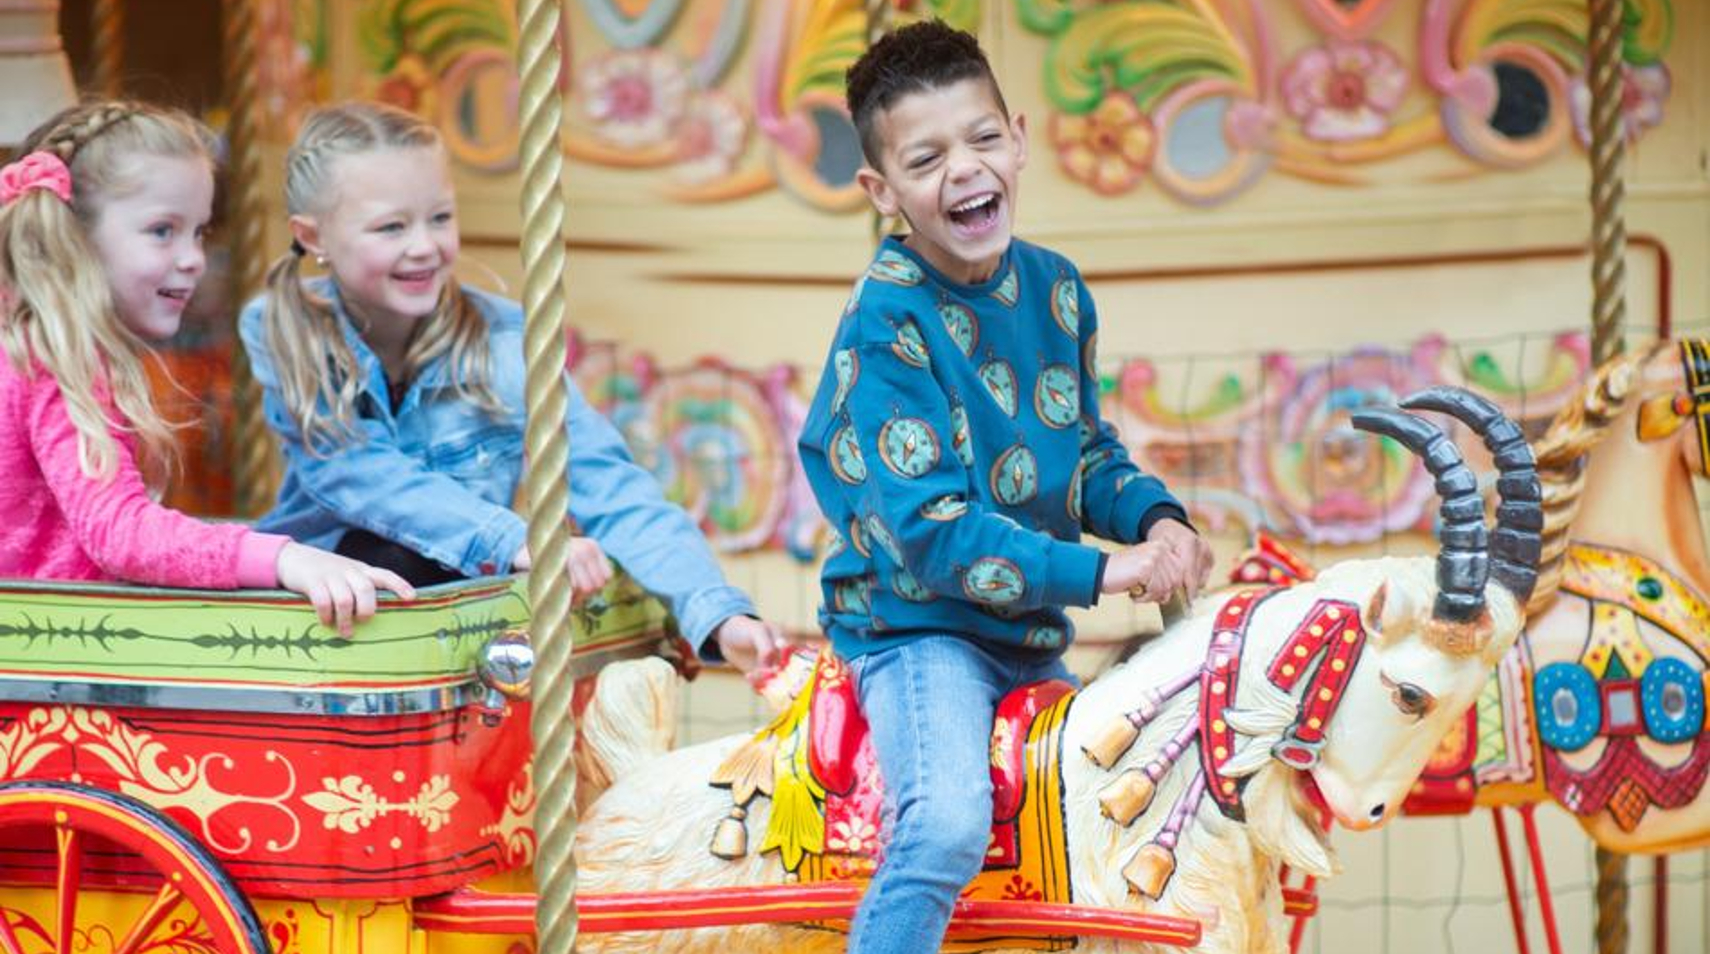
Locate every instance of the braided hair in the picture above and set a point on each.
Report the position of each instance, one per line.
(59, 316)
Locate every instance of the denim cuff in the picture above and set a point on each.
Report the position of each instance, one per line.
(495, 544)
(701, 614)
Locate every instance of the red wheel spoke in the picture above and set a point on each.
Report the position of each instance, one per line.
(8, 938)
(164, 901)
(70, 880)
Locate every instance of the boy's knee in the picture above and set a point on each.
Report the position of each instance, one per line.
(955, 830)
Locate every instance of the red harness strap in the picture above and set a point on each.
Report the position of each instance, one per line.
(1216, 690)
(1332, 629)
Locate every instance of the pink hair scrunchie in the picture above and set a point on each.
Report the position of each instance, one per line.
(38, 170)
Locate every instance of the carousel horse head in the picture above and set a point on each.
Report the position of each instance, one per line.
(1434, 629)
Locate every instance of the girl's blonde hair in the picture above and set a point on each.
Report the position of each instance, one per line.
(318, 374)
(59, 311)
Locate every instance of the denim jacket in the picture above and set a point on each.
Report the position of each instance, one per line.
(438, 476)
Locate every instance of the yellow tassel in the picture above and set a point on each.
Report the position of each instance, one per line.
(1111, 743)
(730, 838)
(1123, 800)
(1149, 870)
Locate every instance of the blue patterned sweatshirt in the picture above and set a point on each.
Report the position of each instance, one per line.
(956, 448)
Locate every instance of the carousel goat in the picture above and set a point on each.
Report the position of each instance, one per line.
(1176, 783)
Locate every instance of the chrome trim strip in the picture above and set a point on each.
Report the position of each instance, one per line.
(280, 701)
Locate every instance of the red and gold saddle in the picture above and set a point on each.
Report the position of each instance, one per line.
(815, 762)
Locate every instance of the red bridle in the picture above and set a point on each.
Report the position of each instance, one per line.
(1331, 636)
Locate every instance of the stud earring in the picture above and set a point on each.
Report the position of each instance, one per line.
(320, 261)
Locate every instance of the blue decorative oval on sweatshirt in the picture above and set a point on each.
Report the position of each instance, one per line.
(905, 585)
(999, 379)
(993, 580)
(1009, 292)
(910, 346)
(961, 436)
(908, 446)
(1045, 637)
(961, 325)
(846, 461)
(882, 536)
(896, 268)
(847, 365)
(944, 509)
(1057, 396)
(1015, 476)
(1066, 306)
(853, 596)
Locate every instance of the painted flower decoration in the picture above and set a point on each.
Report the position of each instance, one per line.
(710, 138)
(852, 837)
(1644, 90)
(634, 97)
(410, 86)
(1109, 148)
(1343, 91)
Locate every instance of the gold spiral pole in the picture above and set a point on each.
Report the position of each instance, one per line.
(1608, 183)
(107, 46)
(1608, 319)
(252, 457)
(547, 475)
(878, 21)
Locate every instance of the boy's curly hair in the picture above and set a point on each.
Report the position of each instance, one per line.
(919, 57)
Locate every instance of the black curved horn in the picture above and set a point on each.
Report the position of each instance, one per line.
(1517, 543)
(1463, 562)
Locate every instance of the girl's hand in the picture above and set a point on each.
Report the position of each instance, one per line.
(341, 589)
(590, 571)
(750, 644)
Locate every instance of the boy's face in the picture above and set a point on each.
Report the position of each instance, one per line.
(949, 164)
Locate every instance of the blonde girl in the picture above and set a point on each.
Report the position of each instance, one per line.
(101, 226)
(397, 394)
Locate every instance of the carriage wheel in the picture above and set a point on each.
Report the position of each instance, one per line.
(189, 873)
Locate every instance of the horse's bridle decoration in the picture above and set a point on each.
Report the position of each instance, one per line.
(1695, 365)
(1329, 639)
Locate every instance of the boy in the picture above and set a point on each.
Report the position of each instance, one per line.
(955, 445)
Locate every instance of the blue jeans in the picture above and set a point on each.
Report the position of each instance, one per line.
(929, 704)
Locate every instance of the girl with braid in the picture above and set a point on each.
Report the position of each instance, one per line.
(397, 395)
(101, 226)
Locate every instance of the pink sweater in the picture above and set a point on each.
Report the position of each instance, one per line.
(58, 524)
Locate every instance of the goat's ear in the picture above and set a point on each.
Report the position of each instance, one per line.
(1375, 607)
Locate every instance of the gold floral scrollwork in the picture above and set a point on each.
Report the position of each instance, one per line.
(136, 758)
(515, 827)
(27, 741)
(350, 803)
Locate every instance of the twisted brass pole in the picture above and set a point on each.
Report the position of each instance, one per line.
(1608, 319)
(107, 46)
(1608, 182)
(547, 476)
(252, 460)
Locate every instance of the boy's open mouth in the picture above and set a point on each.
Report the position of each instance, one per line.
(976, 214)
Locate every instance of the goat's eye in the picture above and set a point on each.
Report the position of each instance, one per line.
(1409, 698)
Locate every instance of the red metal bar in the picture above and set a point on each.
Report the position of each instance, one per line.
(1546, 904)
(1510, 882)
(69, 881)
(9, 943)
(1298, 932)
(1659, 910)
(476, 912)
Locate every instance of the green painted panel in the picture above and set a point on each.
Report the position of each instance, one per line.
(264, 638)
